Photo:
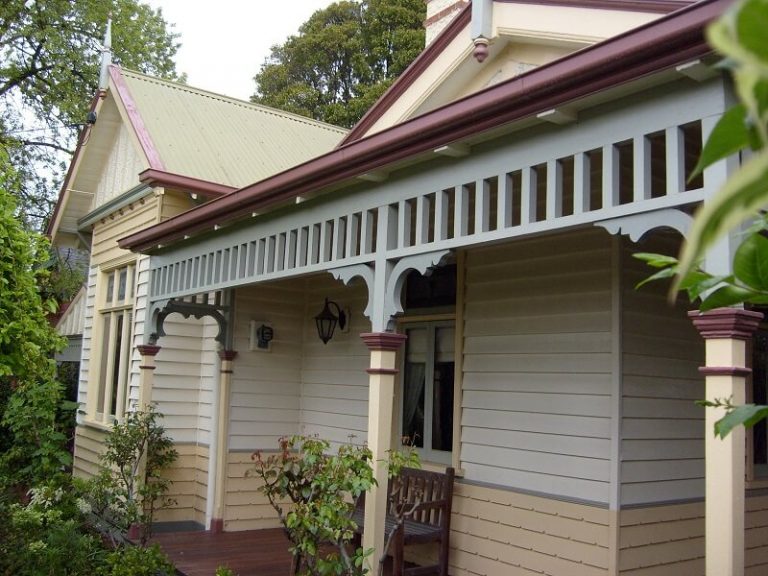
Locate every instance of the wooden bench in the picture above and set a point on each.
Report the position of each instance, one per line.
(426, 496)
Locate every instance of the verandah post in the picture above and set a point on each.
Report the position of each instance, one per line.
(381, 391)
(726, 331)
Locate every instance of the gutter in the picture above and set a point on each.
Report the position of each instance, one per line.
(657, 46)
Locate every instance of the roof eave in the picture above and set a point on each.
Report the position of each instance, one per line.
(672, 40)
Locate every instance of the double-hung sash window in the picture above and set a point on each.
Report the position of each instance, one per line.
(428, 389)
(114, 352)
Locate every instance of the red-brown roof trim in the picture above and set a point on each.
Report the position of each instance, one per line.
(656, 6)
(659, 45)
(154, 177)
(420, 64)
(134, 117)
(409, 75)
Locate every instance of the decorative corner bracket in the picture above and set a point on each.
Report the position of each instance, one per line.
(638, 225)
(218, 311)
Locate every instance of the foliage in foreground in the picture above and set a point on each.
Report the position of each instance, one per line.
(71, 527)
(739, 35)
(49, 70)
(32, 439)
(131, 487)
(314, 494)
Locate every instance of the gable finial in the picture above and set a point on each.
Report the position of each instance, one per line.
(482, 17)
(106, 56)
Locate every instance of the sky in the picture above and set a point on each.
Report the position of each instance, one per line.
(225, 42)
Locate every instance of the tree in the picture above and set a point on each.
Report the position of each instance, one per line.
(739, 36)
(32, 444)
(49, 71)
(344, 57)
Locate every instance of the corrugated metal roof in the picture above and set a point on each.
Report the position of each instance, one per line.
(220, 139)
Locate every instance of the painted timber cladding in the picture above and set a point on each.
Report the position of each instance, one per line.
(756, 535)
(495, 532)
(120, 169)
(334, 385)
(537, 366)
(266, 386)
(535, 181)
(662, 430)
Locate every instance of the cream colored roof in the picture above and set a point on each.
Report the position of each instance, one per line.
(220, 139)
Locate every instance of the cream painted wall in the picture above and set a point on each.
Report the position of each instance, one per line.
(523, 34)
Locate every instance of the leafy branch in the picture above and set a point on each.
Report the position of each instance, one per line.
(739, 36)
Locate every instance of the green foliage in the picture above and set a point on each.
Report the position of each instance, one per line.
(48, 535)
(137, 561)
(746, 415)
(314, 494)
(343, 59)
(739, 38)
(31, 435)
(224, 571)
(739, 35)
(49, 70)
(130, 487)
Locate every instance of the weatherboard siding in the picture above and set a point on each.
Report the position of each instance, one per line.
(662, 431)
(537, 366)
(245, 507)
(177, 378)
(662, 540)
(265, 394)
(111, 228)
(756, 536)
(120, 168)
(183, 492)
(497, 531)
(334, 384)
(89, 445)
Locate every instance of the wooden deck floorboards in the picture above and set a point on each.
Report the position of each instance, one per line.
(248, 553)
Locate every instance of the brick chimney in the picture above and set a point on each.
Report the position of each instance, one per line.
(439, 15)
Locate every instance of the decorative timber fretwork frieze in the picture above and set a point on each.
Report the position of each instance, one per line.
(624, 169)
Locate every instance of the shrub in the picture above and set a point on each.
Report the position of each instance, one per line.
(321, 489)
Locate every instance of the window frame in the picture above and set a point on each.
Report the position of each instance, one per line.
(455, 315)
(110, 377)
(427, 453)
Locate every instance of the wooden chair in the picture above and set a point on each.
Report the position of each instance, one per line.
(425, 498)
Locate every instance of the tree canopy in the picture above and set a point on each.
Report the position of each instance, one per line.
(343, 58)
(49, 71)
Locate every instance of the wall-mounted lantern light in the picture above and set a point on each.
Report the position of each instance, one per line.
(261, 335)
(326, 321)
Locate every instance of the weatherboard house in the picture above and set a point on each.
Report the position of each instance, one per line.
(476, 229)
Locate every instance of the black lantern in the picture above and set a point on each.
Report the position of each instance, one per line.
(326, 321)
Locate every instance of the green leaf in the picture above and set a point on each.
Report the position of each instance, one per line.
(725, 296)
(729, 135)
(752, 27)
(743, 194)
(660, 275)
(696, 289)
(655, 260)
(750, 262)
(746, 414)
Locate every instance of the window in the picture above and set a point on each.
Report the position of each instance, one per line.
(113, 355)
(428, 376)
(428, 379)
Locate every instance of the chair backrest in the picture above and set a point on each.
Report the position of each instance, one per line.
(433, 490)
